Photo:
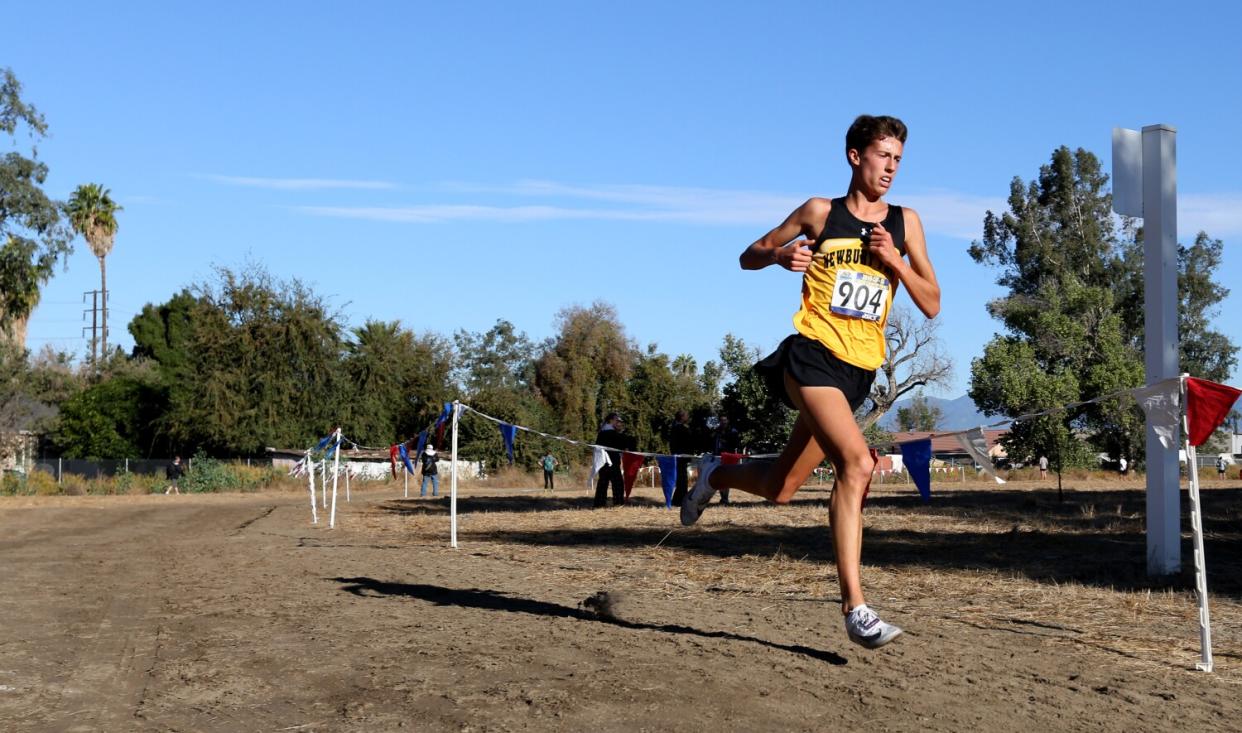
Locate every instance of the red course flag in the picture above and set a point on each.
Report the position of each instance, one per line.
(1207, 406)
(630, 463)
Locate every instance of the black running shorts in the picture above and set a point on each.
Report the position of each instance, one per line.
(811, 364)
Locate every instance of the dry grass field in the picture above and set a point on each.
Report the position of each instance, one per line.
(232, 612)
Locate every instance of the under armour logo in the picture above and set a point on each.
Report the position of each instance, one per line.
(865, 232)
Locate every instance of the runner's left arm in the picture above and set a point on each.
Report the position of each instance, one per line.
(917, 274)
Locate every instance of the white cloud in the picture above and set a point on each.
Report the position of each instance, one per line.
(1220, 215)
(300, 184)
(952, 214)
(433, 213)
(944, 213)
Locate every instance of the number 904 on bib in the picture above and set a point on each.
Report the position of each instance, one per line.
(859, 295)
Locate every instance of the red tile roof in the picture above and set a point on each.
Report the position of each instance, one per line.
(948, 444)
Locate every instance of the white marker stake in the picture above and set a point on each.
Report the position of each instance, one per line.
(453, 473)
(323, 480)
(310, 477)
(336, 472)
(346, 482)
(1196, 526)
(405, 476)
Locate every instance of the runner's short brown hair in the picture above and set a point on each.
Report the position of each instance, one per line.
(867, 129)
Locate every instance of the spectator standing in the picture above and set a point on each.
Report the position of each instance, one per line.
(1043, 468)
(1221, 466)
(430, 471)
(681, 444)
(611, 435)
(549, 465)
(174, 472)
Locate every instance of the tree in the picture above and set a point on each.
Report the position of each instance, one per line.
(1058, 252)
(582, 372)
(913, 360)
(1204, 351)
(12, 371)
(653, 398)
(1074, 314)
(92, 212)
(161, 332)
(761, 419)
(33, 239)
(397, 382)
(496, 370)
(919, 415)
(116, 417)
(263, 367)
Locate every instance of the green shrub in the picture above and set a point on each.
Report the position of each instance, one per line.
(212, 475)
(12, 483)
(209, 475)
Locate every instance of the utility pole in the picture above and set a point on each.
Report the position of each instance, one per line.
(103, 304)
(94, 311)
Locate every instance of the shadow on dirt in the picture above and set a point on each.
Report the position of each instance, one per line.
(490, 600)
(1092, 537)
(518, 504)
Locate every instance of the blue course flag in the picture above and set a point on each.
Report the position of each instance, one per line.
(323, 443)
(916, 456)
(445, 414)
(422, 443)
(508, 433)
(405, 457)
(668, 477)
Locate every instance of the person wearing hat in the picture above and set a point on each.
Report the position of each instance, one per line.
(430, 471)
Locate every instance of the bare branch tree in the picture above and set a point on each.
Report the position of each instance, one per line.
(914, 360)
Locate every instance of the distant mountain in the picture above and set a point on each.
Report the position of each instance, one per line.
(956, 414)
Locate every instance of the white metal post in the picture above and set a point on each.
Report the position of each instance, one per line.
(453, 479)
(336, 472)
(1164, 549)
(310, 477)
(1145, 185)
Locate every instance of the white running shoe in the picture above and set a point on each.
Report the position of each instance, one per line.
(696, 501)
(866, 629)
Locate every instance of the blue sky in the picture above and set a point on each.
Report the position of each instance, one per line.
(449, 166)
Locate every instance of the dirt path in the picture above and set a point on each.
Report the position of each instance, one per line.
(232, 613)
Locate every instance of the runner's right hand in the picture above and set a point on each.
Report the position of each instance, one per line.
(795, 256)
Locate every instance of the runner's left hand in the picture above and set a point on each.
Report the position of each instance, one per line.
(882, 247)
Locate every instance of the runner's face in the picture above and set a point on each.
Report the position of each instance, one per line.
(876, 166)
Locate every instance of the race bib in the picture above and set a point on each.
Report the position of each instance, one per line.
(859, 295)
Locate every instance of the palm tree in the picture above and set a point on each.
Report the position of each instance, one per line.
(92, 212)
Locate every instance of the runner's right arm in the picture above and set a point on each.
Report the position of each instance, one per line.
(788, 245)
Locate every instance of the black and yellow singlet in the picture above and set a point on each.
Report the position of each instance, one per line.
(845, 296)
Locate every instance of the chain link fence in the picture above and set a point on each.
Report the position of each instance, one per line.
(58, 468)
